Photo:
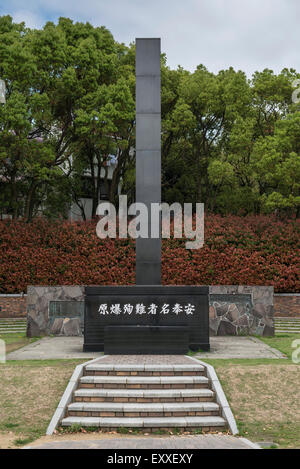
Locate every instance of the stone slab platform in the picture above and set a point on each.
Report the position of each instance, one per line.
(71, 347)
(171, 442)
(53, 348)
(145, 360)
(228, 347)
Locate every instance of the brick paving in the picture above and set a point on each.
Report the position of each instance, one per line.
(146, 360)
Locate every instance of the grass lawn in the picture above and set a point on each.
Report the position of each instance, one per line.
(15, 341)
(29, 394)
(264, 400)
(282, 342)
(264, 394)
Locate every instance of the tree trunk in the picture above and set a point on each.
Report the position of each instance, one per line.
(114, 185)
(13, 191)
(30, 201)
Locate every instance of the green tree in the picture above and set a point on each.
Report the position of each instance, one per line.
(228, 141)
(200, 124)
(276, 162)
(70, 104)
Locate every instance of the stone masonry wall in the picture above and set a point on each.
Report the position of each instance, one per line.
(12, 306)
(40, 322)
(234, 310)
(241, 310)
(287, 305)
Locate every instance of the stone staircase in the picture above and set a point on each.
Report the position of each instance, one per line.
(12, 325)
(148, 397)
(287, 325)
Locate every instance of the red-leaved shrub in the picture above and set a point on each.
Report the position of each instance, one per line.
(255, 250)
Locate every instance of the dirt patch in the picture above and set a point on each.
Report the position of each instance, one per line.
(264, 393)
(7, 440)
(89, 436)
(265, 401)
(29, 396)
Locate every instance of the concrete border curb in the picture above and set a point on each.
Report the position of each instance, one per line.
(276, 352)
(220, 396)
(67, 395)
(250, 443)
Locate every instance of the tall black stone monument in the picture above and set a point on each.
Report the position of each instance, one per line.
(147, 318)
(148, 153)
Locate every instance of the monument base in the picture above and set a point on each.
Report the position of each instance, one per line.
(146, 340)
(146, 319)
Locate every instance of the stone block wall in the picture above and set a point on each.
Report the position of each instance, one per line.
(12, 306)
(41, 322)
(287, 305)
(234, 310)
(241, 310)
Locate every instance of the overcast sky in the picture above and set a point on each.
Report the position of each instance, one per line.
(246, 34)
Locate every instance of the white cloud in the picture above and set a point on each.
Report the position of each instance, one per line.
(247, 34)
(31, 20)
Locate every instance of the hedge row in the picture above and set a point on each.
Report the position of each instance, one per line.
(250, 250)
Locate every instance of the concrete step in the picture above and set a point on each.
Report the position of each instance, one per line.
(287, 324)
(13, 320)
(12, 324)
(143, 395)
(99, 367)
(294, 328)
(143, 370)
(286, 318)
(12, 331)
(12, 327)
(143, 382)
(288, 321)
(113, 409)
(288, 331)
(211, 423)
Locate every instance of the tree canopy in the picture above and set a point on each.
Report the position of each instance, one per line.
(229, 141)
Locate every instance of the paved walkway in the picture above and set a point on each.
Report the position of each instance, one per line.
(239, 347)
(50, 348)
(172, 442)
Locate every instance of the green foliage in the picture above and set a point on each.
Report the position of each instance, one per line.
(228, 141)
(69, 105)
(231, 142)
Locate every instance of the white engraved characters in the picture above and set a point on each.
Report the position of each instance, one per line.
(140, 309)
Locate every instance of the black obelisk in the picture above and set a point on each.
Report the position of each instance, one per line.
(148, 154)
